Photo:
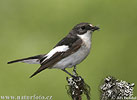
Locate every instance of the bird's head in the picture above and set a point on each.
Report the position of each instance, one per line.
(83, 28)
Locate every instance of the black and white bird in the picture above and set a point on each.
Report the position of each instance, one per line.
(69, 52)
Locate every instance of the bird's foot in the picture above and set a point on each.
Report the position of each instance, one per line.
(75, 72)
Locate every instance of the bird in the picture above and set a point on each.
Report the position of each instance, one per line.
(67, 53)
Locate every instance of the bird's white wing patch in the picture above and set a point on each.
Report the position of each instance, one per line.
(91, 25)
(62, 48)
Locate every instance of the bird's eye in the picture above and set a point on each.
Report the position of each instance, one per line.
(83, 27)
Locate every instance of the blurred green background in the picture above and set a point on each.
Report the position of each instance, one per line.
(31, 27)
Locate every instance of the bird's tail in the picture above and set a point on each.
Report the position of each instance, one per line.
(29, 60)
(42, 67)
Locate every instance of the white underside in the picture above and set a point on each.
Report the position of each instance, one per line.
(78, 56)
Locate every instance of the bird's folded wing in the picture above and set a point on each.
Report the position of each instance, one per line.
(57, 56)
(60, 55)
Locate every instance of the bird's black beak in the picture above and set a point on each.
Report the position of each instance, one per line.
(93, 28)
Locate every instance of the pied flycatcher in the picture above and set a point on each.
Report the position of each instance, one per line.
(69, 52)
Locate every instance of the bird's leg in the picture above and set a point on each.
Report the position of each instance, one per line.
(68, 72)
(74, 71)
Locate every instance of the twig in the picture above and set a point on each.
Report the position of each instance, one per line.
(77, 87)
(114, 89)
